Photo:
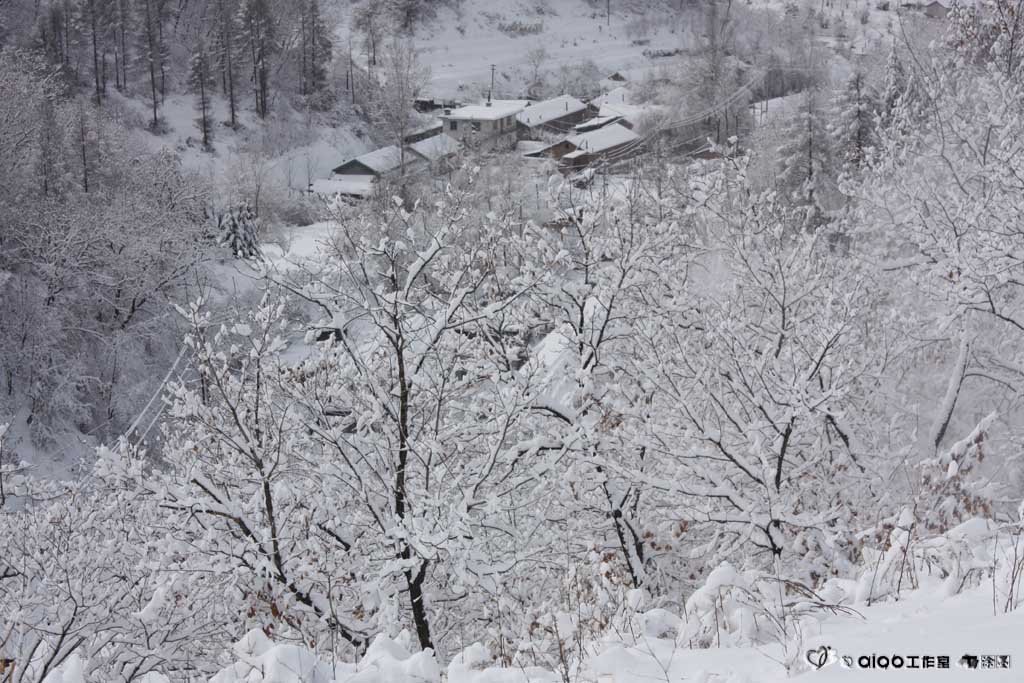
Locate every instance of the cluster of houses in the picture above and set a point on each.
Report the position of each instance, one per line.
(574, 133)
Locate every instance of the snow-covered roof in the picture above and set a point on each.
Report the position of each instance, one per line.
(595, 123)
(427, 127)
(602, 139)
(351, 185)
(437, 147)
(385, 160)
(616, 103)
(549, 110)
(530, 146)
(382, 160)
(483, 112)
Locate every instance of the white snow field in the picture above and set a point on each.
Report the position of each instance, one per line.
(922, 624)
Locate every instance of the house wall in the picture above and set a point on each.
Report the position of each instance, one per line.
(560, 149)
(497, 134)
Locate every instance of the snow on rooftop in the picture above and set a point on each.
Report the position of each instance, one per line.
(382, 160)
(595, 123)
(549, 110)
(482, 112)
(437, 147)
(602, 139)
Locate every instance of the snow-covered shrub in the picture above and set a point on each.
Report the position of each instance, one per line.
(749, 608)
(237, 229)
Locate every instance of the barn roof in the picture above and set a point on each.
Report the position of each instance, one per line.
(384, 160)
(602, 139)
(550, 110)
(437, 147)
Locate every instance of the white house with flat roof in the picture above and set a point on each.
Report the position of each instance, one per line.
(491, 125)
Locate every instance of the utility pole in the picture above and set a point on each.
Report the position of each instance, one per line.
(492, 82)
(608, 12)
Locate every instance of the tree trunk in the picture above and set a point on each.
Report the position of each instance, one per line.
(95, 52)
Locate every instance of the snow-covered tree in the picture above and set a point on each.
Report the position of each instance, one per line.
(852, 123)
(401, 79)
(804, 157)
(237, 229)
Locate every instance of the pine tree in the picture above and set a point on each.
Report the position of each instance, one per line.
(201, 81)
(895, 84)
(852, 127)
(94, 16)
(224, 51)
(316, 49)
(803, 156)
(258, 28)
(122, 26)
(151, 51)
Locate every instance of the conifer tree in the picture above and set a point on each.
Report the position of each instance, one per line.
(202, 82)
(316, 48)
(803, 156)
(151, 51)
(225, 54)
(852, 125)
(258, 28)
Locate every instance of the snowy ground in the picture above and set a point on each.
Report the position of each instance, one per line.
(289, 150)
(461, 46)
(644, 651)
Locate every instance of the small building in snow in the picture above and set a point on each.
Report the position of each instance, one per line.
(557, 115)
(578, 151)
(487, 126)
(439, 151)
(615, 141)
(383, 162)
(936, 9)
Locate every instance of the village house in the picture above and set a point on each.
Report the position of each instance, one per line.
(358, 178)
(487, 126)
(578, 151)
(557, 115)
(614, 140)
(440, 151)
(381, 163)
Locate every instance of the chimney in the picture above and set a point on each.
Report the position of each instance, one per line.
(488, 98)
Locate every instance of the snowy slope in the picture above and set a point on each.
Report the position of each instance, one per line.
(460, 45)
(645, 652)
(289, 148)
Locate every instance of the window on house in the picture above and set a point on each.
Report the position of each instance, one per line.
(453, 125)
(476, 126)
